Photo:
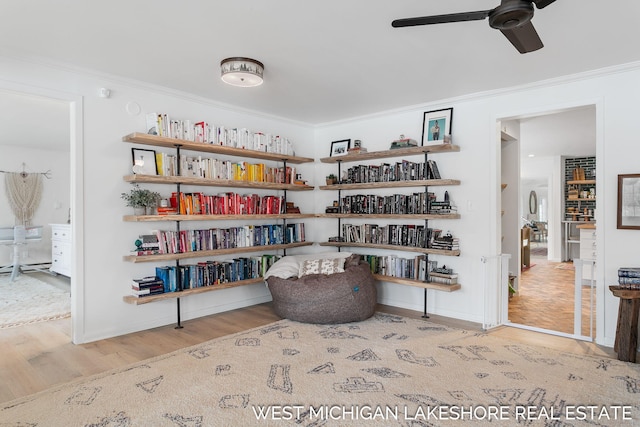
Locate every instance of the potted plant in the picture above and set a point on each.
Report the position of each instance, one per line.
(332, 179)
(142, 200)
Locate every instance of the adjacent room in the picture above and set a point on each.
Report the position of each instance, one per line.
(285, 213)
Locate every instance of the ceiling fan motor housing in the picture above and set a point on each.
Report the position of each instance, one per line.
(511, 14)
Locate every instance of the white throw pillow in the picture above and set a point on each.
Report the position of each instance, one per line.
(289, 266)
(321, 266)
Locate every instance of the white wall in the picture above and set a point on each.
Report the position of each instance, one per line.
(614, 94)
(54, 205)
(106, 277)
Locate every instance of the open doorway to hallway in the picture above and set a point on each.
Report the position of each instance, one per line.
(544, 235)
(34, 272)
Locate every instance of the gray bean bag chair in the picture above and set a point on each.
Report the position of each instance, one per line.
(345, 297)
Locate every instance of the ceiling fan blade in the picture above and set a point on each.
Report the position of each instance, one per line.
(525, 38)
(441, 19)
(541, 4)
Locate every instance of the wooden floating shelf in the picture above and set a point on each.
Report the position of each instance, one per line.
(161, 141)
(176, 217)
(190, 180)
(391, 184)
(398, 152)
(429, 251)
(418, 283)
(130, 299)
(582, 182)
(390, 216)
(200, 254)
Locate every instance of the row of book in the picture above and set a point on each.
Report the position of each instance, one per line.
(206, 273)
(172, 242)
(416, 203)
(416, 268)
(387, 172)
(410, 235)
(213, 168)
(629, 277)
(229, 203)
(163, 125)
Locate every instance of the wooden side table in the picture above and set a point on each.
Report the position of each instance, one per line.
(627, 330)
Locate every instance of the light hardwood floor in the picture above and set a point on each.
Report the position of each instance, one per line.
(546, 298)
(36, 357)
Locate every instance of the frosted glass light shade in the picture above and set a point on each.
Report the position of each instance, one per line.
(243, 72)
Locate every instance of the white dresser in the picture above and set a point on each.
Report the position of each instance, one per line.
(61, 249)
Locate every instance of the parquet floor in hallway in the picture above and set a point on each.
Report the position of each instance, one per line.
(546, 298)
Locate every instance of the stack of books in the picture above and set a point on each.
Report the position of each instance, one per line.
(356, 150)
(151, 285)
(403, 143)
(446, 242)
(629, 278)
(445, 279)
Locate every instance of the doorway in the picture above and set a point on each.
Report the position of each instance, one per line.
(43, 133)
(543, 290)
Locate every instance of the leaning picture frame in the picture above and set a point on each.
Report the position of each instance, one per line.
(436, 125)
(340, 148)
(629, 202)
(144, 161)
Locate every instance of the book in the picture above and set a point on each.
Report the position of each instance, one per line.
(628, 272)
(152, 123)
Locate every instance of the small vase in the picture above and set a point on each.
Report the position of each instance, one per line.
(150, 210)
(139, 210)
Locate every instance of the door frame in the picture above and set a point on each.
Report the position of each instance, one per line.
(76, 175)
(600, 217)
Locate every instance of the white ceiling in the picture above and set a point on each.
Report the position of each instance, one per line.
(570, 133)
(324, 60)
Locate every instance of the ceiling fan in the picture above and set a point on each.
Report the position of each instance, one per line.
(512, 17)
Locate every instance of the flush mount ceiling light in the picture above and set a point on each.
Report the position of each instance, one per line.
(243, 72)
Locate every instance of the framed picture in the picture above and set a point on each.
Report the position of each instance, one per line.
(629, 201)
(436, 125)
(340, 148)
(144, 161)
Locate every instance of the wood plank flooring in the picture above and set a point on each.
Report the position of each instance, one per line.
(546, 298)
(38, 356)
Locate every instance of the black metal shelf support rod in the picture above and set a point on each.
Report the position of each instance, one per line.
(179, 282)
(339, 203)
(426, 233)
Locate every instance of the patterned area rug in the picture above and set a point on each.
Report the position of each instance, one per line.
(385, 371)
(29, 300)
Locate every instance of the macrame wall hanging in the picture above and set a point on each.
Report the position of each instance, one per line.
(24, 191)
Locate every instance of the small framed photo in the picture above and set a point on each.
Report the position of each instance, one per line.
(436, 125)
(340, 148)
(144, 161)
(629, 202)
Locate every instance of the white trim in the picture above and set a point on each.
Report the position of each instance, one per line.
(548, 331)
(76, 152)
(598, 103)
